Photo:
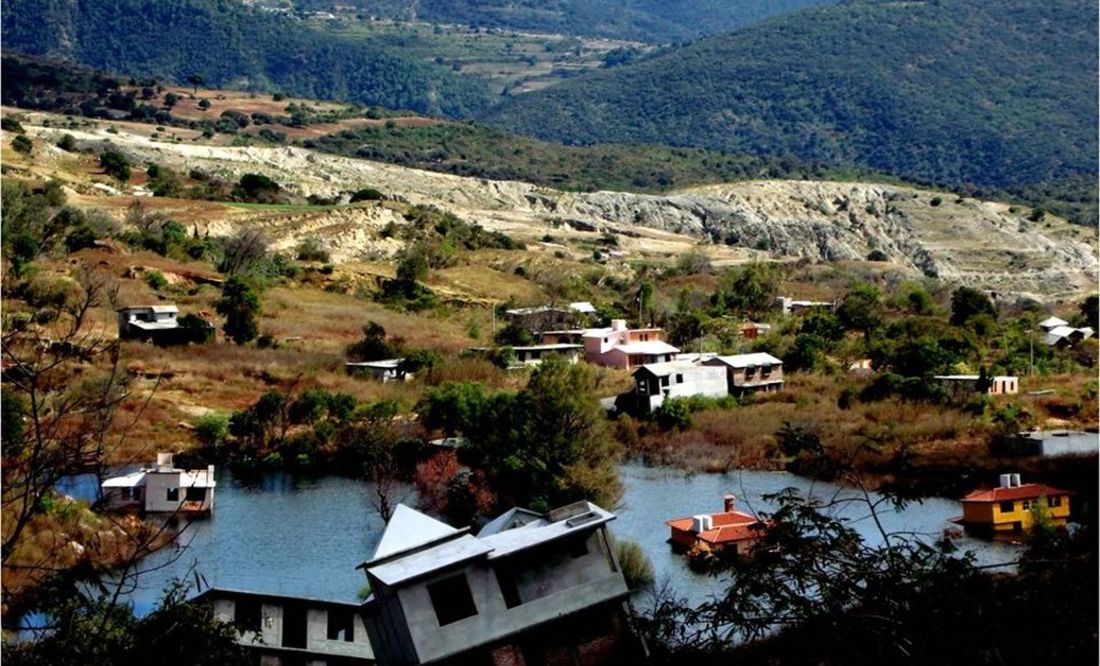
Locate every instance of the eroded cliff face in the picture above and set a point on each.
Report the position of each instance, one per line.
(967, 241)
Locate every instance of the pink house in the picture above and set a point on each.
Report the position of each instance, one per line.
(622, 347)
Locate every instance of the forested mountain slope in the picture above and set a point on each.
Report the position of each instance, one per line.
(659, 21)
(999, 93)
(230, 45)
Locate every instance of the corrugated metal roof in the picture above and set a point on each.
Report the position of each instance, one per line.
(746, 360)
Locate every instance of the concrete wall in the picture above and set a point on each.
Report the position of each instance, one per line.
(156, 491)
(317, 641)
(696, 380)
(1068, 443)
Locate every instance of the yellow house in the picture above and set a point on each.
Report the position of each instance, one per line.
(1011, 507)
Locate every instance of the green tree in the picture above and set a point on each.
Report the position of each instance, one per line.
(1090, 311)
(22, 144)
(750, 290)
(412, 266)
(967, 302)
(115, 164)
(240, 305)
(861, 310)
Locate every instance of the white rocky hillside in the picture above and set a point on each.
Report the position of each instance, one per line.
(967, 241)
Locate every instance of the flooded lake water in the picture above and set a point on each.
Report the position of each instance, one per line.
(282, 534)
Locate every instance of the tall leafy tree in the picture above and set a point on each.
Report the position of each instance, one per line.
(240, 305)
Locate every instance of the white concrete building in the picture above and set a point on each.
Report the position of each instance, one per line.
(657, 381)
(1065, 336)
(529, 588)
(622, 347)
(162, 488)
(286, 631)
(962, 384)
(793, 306)
(534, 354)
(1051, 443)
(386, 370)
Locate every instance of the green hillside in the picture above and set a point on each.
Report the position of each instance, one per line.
(230, 45)
(998, 94)
(658, 21)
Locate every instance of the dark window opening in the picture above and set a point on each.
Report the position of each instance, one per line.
(451, 599)
(246, 614)
(578, 548)
(506, 579)
(173, 494)
(195, 494)
(294, 626)
(341, 625)
(679, 379)
(1054, 501)
(1006, 507)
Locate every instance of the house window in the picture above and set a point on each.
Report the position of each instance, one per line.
(1027, 504)
(664, 381)
(195, 495)
(341, 626)
(246, 614)
(1007, 507)
(1054, 501)
(451, 599)
(506, 579)
(679, 379)
(172, 494)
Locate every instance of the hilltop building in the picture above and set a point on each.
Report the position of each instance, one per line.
(546, 317)
(159, 324)
(622, 347)
(1010, 508)
(792, 306)
(729, 530)
(961, 385)
(1052, 443)
(529, 588)
(162, 488)
(385, 370)
(1066, 336)
(286, 631)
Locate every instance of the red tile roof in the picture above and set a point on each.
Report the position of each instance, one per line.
(1024, 491)
(728, 527)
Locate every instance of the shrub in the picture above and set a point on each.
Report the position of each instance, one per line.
(877, 255)
(936, 201)
(67, 143)
(212, 428)
(367, 194)
(22, 144)
(635, 565)
(156, 280)
(310, 249)
(673, 413)
(9, 124)
(115, 164)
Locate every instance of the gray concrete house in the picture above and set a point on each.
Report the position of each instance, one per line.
(529, 588)
(286, 631)
(657, 381)
(959, 386)
(749, 373)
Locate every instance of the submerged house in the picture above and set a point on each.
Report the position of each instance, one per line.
(162, 488)
(749, 373)
(286, 631)
(656, 381)
(622, 347)
(159, 324)
(729, 530)
(529, 588)
(1012, 506)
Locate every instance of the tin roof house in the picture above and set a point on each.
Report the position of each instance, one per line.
(162, 488)
(529, 588)
(749, 373)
